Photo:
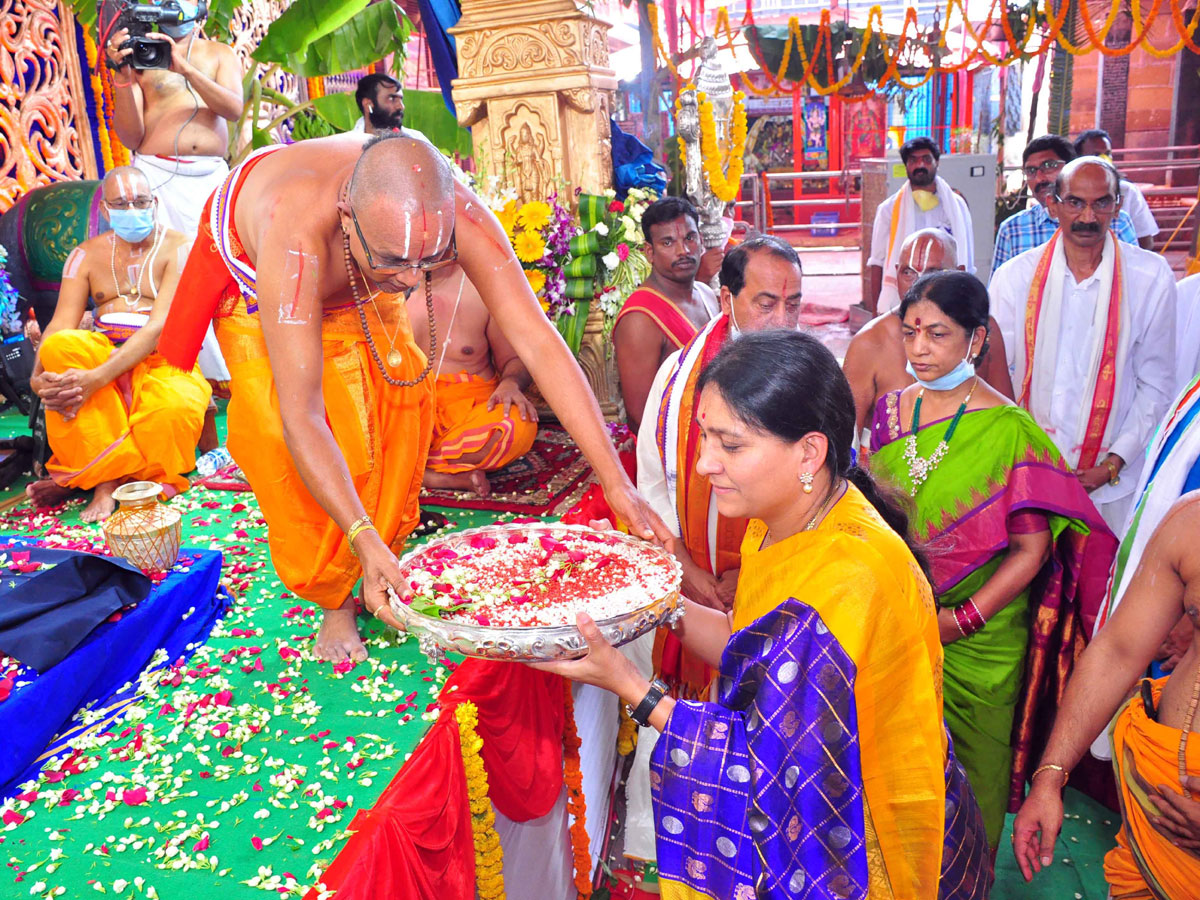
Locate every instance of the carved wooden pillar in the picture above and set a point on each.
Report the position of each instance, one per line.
(536, 91)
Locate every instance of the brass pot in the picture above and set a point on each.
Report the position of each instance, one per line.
(144, 531)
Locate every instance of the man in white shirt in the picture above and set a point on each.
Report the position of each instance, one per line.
(1096, 367)
(1187, 331)
(380, 99)
(1096, 142)
(925, 201)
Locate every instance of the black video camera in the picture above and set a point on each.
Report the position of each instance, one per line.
(140, 19)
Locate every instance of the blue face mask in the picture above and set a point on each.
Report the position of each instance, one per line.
(185, 28)
(947, 382)
(132, 225)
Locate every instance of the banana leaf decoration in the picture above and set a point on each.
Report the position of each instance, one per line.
(584, 269)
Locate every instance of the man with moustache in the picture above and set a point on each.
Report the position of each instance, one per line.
(1096, 142)
(380, 99)
(875, 362)
(1032, 227)
(668, 308)
(925, 201)
(1090, 326)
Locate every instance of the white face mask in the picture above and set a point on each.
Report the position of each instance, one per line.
(735, 332)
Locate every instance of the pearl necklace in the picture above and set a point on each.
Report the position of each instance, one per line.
(362, 318)
(920, 468)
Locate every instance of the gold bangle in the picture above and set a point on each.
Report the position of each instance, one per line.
(357, 528)
(1049, 767)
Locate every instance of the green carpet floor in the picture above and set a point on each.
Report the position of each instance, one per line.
(253, 789)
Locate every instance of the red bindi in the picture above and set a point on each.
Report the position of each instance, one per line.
(918, 321)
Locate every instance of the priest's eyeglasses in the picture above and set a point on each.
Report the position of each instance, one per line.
(134, 203)
(447, 258)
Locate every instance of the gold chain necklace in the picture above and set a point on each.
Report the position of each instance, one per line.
(394, 357)
(824, 508)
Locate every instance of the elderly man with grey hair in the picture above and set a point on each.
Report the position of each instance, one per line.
(1090, 327)
(875, 363)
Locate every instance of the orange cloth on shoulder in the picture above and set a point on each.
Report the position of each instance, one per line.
(142, 426)
(1145, 864)
(382, 431)
(463, 425)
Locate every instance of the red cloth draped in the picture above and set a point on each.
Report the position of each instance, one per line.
(416, 842)
(521, 723)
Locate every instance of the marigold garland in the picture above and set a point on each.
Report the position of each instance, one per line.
(93, 55)
(489, 855)
(627, 732)
(724, 184)
(576, 803)
(1050, 23)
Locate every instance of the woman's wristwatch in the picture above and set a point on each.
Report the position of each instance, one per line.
(641, 713)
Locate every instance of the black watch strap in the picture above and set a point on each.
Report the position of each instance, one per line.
(641, 714)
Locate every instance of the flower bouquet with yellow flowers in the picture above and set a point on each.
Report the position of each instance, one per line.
(540, 232)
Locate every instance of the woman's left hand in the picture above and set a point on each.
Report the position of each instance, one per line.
(603, 666)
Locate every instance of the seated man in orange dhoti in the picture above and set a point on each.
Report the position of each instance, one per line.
(482, 420)
(304, 255)
(115, 411)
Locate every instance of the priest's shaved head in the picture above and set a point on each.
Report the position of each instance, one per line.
(400, 209)
(927, 250)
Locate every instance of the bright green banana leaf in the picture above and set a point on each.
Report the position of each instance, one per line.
(338, 110)
(302, 23)
(364, 38)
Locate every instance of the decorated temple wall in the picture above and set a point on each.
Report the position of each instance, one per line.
(44, 126)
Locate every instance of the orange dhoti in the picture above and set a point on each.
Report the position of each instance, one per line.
(1145, 865)
(463, 425)
(141, 427)
(383, 432)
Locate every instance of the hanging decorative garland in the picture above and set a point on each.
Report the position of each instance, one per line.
(1031, 18)
(724, 184)
(576, 804)
(489, 855)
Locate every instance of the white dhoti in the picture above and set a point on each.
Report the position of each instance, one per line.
(183, 185)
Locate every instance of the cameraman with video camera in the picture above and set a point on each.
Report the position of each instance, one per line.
(176, 93)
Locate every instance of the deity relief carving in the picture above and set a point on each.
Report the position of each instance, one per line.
(598, 46)
(544, 46)
(527, 153)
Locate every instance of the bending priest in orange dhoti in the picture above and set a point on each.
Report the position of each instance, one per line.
(115, 411)
(1156, 764)
(482, 419)
(331, 412)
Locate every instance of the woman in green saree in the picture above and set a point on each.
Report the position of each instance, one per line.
(1020, 556)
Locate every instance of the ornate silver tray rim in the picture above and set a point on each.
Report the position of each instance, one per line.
(543, 643)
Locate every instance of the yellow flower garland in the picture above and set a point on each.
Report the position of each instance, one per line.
(627, 732)
(724, 184)
(489, 855)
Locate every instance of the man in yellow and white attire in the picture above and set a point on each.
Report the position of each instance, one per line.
(925, 201)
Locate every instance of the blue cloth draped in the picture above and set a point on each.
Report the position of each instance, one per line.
(436, 17)
(633, 164)
(178, 614)
(760, 795)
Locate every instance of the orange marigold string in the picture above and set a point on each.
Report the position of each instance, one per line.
(576, 804)
(489, 855)
(93, 57)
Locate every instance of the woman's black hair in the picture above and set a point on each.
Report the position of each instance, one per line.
(788, 384)
(960, 295)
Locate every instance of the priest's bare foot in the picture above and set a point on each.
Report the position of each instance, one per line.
(338, 638)
(208, 434)
(46, 494)
(475, 480)
(102, 504)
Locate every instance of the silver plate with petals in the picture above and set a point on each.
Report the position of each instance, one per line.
(543, 643)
